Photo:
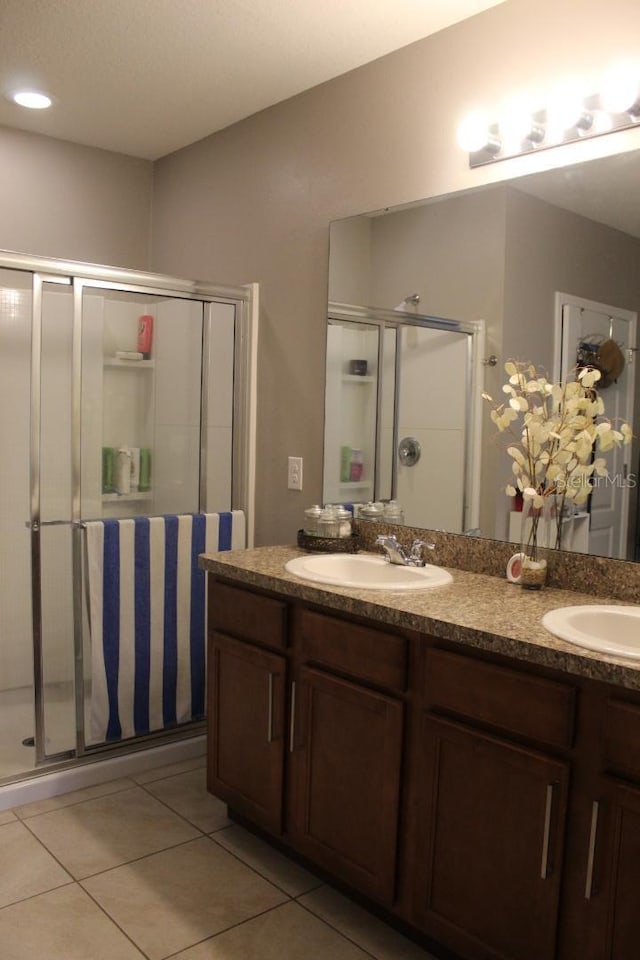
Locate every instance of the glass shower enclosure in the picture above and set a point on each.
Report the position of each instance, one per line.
(92, 430)
(403, 413)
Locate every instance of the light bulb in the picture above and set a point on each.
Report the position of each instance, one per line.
(517, 124)
(566, 110)
(473, 132)
(32, 99)
(620, 89)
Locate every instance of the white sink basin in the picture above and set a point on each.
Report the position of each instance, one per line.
(366, 572)
(605, 628)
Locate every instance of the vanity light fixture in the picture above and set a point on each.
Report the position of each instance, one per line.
(33, 99)
(569, 116)
(519, 124)
(620, 91)
(474, 135)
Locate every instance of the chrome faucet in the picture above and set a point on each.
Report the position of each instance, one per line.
(395, 552)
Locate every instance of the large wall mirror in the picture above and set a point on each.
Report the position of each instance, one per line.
(535, 266)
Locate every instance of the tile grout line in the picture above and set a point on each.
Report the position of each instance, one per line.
(79, 882)
(75, 803)
(366, 952)
(233, 926)
(113, 920)
(170, 776)
(73, 882)
(176, 813)
(250, 866)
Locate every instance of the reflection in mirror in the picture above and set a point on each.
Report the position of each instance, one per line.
(547, 261)
(398, 385)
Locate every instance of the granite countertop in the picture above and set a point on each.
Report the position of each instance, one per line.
(476, 610)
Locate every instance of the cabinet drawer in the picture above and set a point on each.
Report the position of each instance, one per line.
(247, 615)
(361, 652)
(622, 738)
(511, 700)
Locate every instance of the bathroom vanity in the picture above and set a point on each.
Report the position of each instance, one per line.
(438, 752)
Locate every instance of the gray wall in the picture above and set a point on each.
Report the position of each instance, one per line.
(548, 249)
(254, 201)
(62, 200)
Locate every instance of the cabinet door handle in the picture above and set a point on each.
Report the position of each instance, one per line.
(591, 855)
(292, 718)
(270, 710)
(544, 866)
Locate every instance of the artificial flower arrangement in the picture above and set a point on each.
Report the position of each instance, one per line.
(557, 429)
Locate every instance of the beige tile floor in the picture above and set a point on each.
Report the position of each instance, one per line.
(150, 867)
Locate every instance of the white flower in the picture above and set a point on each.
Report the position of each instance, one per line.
(588, 376)
(560, 425)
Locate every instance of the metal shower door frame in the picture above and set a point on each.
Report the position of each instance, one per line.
(475, 329)
(80, 276)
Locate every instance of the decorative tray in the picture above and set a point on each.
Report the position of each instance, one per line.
(328, 544)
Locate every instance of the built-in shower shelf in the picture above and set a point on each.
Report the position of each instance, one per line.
(129, 364)
(124, 497)
(354, 378)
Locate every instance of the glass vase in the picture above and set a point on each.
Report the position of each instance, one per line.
(535, 528)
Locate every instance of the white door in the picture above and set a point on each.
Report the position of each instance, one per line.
(585, 321)
(432, 409)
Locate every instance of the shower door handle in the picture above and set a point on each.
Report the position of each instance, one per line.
(35, 525)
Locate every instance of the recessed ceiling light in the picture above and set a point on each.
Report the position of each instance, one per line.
(32, 99)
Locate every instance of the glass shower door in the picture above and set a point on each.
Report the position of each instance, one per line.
(351, 400)
(69, 388)
(54, 601)
(141, 410)
(36, 596)
(16, 655)
(141, 435)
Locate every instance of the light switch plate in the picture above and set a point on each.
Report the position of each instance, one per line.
(294, 473)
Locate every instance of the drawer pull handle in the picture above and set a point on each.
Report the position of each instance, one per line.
(544, 867)
(591, 855)
(292, 718)
(270, 710)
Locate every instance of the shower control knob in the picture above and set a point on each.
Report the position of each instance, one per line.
(409, 451)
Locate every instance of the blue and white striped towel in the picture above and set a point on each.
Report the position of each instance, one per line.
(147, 609)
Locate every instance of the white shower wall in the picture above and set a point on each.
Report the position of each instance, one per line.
(432, 491)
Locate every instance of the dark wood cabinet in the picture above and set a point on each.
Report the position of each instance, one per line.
(489, 843)
(602, 886)
(346, 750)
(613, 873)
(604, 904)
(492, 805)
(246, 704)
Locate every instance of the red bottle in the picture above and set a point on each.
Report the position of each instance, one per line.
(145, 335)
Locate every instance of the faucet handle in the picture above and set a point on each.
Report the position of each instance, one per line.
(383, 539)
(416, 549)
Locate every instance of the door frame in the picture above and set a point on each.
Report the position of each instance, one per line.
(560, 367)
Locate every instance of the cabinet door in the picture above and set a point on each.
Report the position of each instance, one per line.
(346, 753)
(246, 693)
(490, 835)
(612, 875)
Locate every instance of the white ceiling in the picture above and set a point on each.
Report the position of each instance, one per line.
(146, 77)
